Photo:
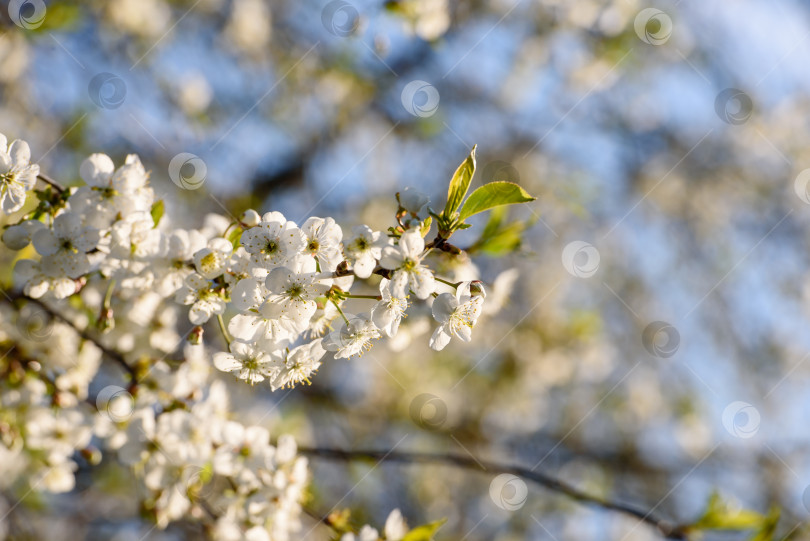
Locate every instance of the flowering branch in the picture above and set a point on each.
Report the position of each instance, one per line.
(667, 529)
(280, 292)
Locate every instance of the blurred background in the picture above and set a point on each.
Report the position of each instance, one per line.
(652, 341)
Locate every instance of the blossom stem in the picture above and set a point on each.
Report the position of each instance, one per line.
(108, 294)
(451, 284)
(373, 297)
(340, 312)
(222, 328)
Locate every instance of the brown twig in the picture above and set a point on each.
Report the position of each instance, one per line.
(667, 529)
(48, 180)
(109, 353)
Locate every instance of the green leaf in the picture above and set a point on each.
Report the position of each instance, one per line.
(157, 211)
(499, 237)
(492, 195)
(424, 227)
(720, 515)
(459, 184)
(767, 531)
(424, 532)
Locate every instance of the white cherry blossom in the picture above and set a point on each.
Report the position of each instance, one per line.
(204, 299)
(247, 362)
(17, 175)
(300, 364)
(456, 314)
(405, 259)
(68, 243)
(389, 311)
(274, 241)
(364, 249)
(322, 237)
(354, 338)
(213, 260)
(293, 290)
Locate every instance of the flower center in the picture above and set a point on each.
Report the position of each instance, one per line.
(271, 247)
(250, 364)
(295, 291)
(463, 316)
(313, 245)
(209, 261)
(409, 264)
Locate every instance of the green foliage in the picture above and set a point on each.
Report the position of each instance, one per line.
(488, 196)
(424, 532)
(157, 211)
(492, 195)
(459, 184)
(498, 236)
(60, 16)
(719, 515)
(425, 226)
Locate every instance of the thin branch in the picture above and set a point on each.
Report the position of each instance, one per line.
(109, 353)
(48, 180)
(667, 529)
(325, 520)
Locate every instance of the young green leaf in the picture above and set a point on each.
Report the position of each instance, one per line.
(424, 227)
(424, 532)
(157, 211)
(492, 195)
(720, 515)
(459, 184)
(499, 237)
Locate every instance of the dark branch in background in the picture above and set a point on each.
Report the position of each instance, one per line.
(109, 353)
(48, 180)
(667, 529)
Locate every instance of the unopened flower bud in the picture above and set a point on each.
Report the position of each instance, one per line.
(106, 320)
(250, 218)
(195, 336)
(19, 236)
(413, 200)
(92, 455)
(477, 288)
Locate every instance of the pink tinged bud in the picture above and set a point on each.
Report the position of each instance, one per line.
(195, 336)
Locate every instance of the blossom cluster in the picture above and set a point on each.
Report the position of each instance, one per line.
(283, 285)
(105, 273)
